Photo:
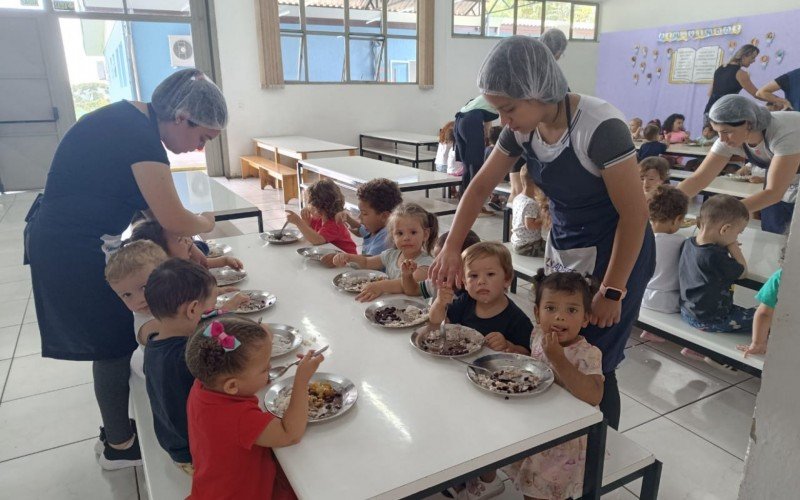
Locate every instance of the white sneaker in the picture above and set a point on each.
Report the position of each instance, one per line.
(480, 490)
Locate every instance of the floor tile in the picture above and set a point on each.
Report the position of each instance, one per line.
(30, 312)
(8, 340)
(68, 473)
(15, 273)
(31, 375)
(12, 312)
(15, 290)
(674, 351)
(693, 467)
(662, 383)
(752, 385)
(724, 419)
(46, 421)
(5, 365)
(634, 413)
(142, 483)
(29, 341)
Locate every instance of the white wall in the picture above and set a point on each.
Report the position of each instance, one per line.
(339, 112)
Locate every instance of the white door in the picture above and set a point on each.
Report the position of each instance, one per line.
(35, 103)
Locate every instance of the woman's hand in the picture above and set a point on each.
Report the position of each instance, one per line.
(447, 268)
(605, 312)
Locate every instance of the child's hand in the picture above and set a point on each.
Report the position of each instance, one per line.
(755, 179)
(307, 367)
(343, 217)
(752, 348)
(496, 341)
(370, 292)
(234, 263)
(197, 256)
(552, 349)
(305, 213)
(293, 218)
(340, 259)
(235, 302)
(327, 260)
(226, 289)
(408, 267)
(445, 294)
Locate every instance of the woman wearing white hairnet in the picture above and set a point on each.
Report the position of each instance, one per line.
(110, 165)
(770, 140)
(580, 153)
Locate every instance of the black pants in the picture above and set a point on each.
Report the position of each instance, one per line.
(610, 405)
(470, 171)
(112, 391)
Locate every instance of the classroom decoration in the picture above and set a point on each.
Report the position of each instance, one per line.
(695, 66)
(658, 72)
(731, 46)
(649, 77)
(642, 66)
(754, 41)
(779, 55)
(699, 34)
(635, 49)
(633, 61)
(644, 51)
(764, 61)
(636, 78)
(669, 52)
(770, 38)
(655, 54)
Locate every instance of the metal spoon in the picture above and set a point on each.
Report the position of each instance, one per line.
(474, 367)
(278, 371)
(279, 236)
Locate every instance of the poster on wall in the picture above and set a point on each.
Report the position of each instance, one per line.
(695, 66)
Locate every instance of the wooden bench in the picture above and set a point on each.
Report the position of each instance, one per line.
(524, 267)
(625, 462)
(269, 172)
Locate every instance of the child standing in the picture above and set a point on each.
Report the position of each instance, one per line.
(762, 321)
(414, 232)
(318, 221)
(674, 132)
(446, 143)
(526, 222)
(229, 436)
(561, 305)
(376, 200)
(652, 145)
(710, 263)
(654, 172)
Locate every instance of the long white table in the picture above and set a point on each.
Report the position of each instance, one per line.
(721, 185)
(418, 425)
(694, 151)
(396, 138)
(299, 147)
(200, 193)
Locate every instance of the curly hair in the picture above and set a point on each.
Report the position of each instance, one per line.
(325, 196)
(131, 258)
(426, 219)
(666, 203)
(585, 285)
(382, 195)
(207, 360)
(657, 163)
(446, 134)
(669, 123)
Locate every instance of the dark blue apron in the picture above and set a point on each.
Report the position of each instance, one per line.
(774, 218)
(582, 237)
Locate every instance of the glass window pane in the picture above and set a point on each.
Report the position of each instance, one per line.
(159, 7)
(557, 15)
(294, 70)
(583, 22)
(529, 18)
(499, 17)
(467, 17)
(21, 4)
(325, 15)
(64, 5)
(366, 59)
(401, 17)
(402, 58)
(325, 58)
(366, 16)
(103, 6)
(289, 14)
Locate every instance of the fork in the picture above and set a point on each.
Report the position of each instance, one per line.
(278, 371)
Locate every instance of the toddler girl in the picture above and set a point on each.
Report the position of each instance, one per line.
(317, 221)
(673, 129)
(561, 305)
(414, 232)
(229, 436)
(446, 145)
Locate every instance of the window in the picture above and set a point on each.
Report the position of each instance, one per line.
(173, 8)
(348, 41)
(502, 18)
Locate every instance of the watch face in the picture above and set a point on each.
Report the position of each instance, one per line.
(612, 294)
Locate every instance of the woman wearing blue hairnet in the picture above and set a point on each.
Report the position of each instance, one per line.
(110, 165)
(770, 140)
(580, 153)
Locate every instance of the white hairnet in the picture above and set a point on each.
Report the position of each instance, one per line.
(734, 108)
(191, 92)
(556, 41)
(521, 67)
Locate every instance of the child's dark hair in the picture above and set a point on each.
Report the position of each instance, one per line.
(494, 134)
(425, 218)
(325, 196)
(657, 163)
(669, 123)
(666, 203)
(382, 195)
(651, 132)
(207, 360)
(174, 283)
(470, 240)
(149, 229)
(722, 209)
(585, 285)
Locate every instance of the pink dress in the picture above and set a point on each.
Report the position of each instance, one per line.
(676, 137)
(557, 473)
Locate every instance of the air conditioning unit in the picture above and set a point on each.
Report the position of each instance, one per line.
(181, 51)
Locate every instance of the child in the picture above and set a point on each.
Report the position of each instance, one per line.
(426, 288)
(654, 172)
(762, 321)
(318, 222)
(414, 232)
(710, 263)
(446, 144)
(673, 129)
(635, 126)
(526, 223)
(652, 145)
(178, 293)
(561, 305)
(708, 137)
(376, 200)
(229, 436)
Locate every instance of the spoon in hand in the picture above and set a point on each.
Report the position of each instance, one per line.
(278, 371)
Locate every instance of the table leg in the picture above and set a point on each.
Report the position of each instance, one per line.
(300, 184)
(260, 222)
(361, 144)
(506, 224)
(651, 481)
(595, 457)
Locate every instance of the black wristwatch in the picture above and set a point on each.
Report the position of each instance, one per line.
(612, 293)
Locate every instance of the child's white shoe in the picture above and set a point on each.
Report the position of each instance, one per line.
(480, 490)
(651, 337)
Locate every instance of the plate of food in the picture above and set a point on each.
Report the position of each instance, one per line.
(275, 237)
(688, 222)
(285, 339)
(259, 300)
(227, 275)
(355, 281)
(738, 178)
(397, 313)
(459, 341)
(316, 253)
(513, 375)
(329, 396)
(217, 249)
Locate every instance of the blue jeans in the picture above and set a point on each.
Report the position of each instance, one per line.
(737, 320)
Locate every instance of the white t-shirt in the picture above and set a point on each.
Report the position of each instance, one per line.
(663, 291)
(442, 152)
(523, 206)
(137, 359)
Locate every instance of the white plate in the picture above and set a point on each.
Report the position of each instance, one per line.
(316, 253)
(361, 277)
(283, 387)
(289, 236)
(227, 276)
(505, 360)
(217, 249)
(399, 305)
(285, 339)
(426, 340)
(255, 295)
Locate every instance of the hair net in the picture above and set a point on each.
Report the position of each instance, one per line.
(521, 67)
(191, 92)
(556, 41)
(734, 108)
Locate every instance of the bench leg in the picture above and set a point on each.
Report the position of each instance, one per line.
(290, 188)
(651, 481)
(247, 170)
(262, 177)
(514, 284)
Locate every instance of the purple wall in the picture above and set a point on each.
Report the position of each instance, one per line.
(659, 98)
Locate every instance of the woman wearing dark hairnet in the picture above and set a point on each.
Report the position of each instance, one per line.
(580, 153)
(556, 41)
(110, 165)
(770, 140)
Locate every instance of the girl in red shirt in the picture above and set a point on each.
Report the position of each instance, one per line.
(317, 221)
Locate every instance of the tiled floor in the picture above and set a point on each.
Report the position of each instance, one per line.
(695, 418)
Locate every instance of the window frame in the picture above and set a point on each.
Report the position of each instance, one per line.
(483, 34)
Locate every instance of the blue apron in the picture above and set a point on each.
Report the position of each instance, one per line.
(774, 218)
(582, 236)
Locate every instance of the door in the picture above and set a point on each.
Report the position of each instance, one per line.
(35, 104)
